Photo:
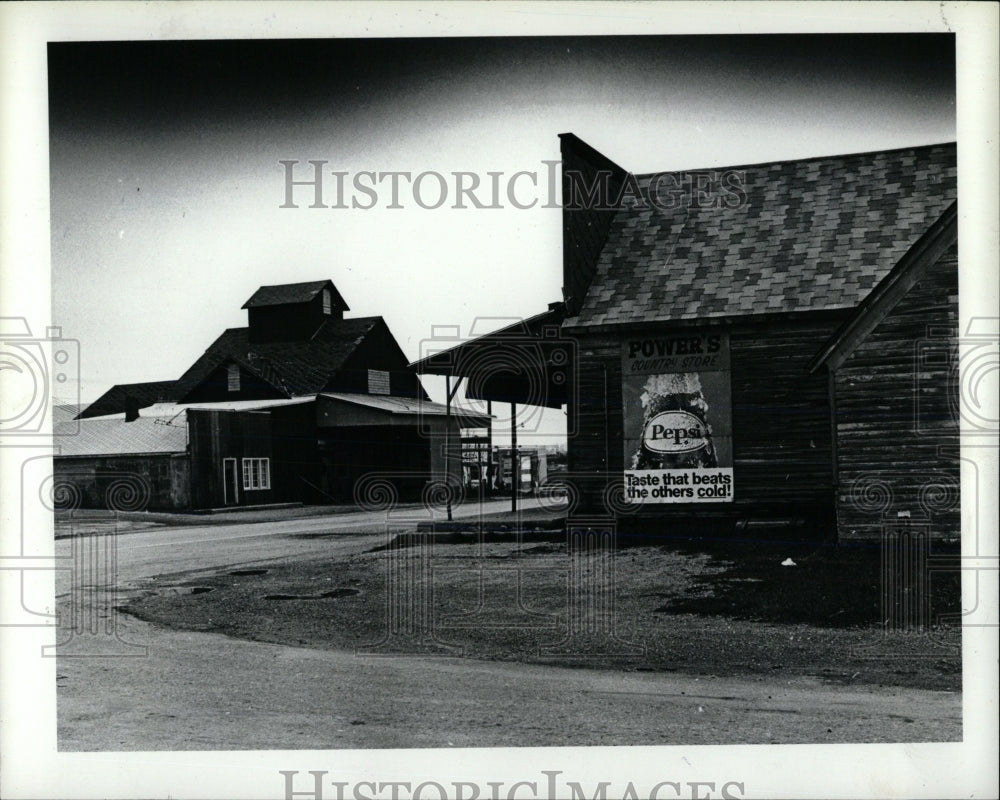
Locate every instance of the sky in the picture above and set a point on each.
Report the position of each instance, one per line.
(167, 186)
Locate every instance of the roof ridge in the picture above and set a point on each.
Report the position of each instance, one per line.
(279, 294)
(828, 157)
(296, 283)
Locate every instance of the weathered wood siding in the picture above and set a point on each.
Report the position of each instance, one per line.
(294, 454)
(897, 421)
(379, 350)
(359, 458)
(782, 456)
(595, 459)
(216, 435)
(289, 321)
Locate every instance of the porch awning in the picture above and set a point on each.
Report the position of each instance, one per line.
(529, 362)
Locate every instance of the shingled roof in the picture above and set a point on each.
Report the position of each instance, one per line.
(289, 293)
(294, 367)
(812, 234)
(115, 399)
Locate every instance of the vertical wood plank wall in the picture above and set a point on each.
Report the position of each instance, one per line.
(783, 462)
(897, 422)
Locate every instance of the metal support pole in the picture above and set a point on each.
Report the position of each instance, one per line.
(481, 477)
(449, 394)
(515, 466)
(447, 440)
(489, 447)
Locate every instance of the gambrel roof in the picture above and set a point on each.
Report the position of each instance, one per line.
(293, 368)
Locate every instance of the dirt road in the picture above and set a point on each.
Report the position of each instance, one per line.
(191, 690)
(198, 691)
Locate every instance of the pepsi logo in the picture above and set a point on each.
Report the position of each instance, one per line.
(674, 432)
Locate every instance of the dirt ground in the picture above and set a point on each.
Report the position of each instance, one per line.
(206, 691)
(721, 610)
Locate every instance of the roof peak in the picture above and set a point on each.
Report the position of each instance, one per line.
(278, 294)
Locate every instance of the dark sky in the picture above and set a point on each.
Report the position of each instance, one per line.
(166, 181)
(159, 88)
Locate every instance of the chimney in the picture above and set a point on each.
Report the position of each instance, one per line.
(131, 408)
(591, 189)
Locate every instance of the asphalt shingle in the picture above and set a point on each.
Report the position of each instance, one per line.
(286, 293)
(811, 234)
(294, 367)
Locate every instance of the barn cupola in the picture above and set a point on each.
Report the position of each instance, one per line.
(293, 311)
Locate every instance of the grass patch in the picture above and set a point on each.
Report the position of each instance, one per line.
(828, 586)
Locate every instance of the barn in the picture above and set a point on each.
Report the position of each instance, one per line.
(302, 405)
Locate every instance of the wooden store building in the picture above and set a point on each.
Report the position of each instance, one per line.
(768, 346)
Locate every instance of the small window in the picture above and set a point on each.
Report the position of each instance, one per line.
(233, 378)
(378, 381)
(256, 473)
(326, 302)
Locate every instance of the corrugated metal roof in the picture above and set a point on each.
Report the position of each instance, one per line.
(162, 428)
(812, 234)
(407, 406)
(167, 410)
(114, 436)
(64, 412)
